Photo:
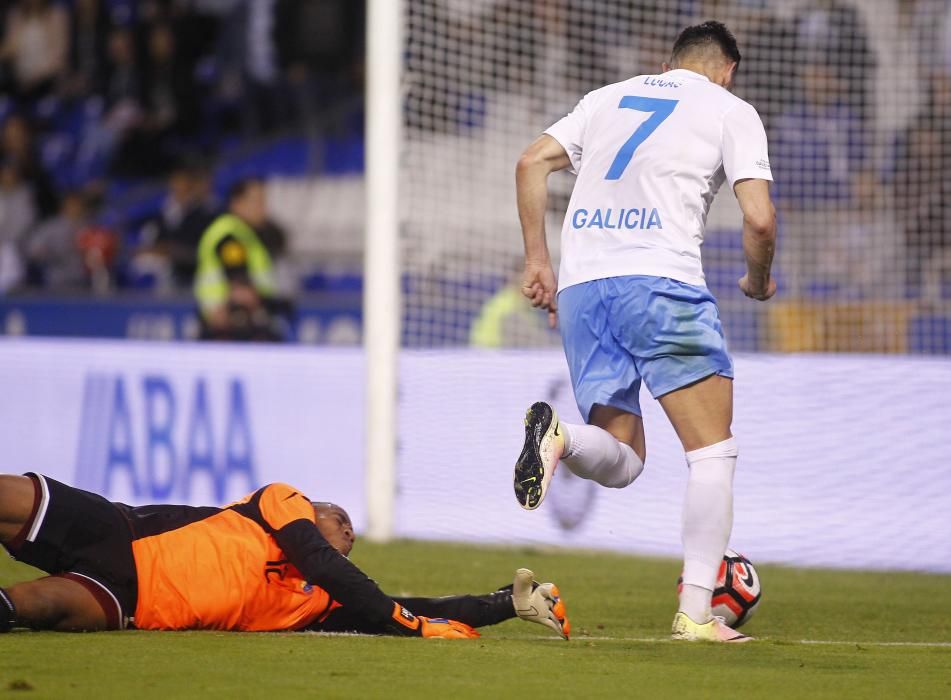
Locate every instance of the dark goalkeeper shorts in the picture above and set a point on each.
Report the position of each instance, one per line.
(81, 536)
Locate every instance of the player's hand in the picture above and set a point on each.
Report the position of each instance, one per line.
(244, 295)
(540, 287)
(442, 628)
(757, 292)
(409, 625)
(539, 602)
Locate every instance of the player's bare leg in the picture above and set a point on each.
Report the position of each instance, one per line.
(701, 415)
(625, 427)
(47, 603)
(610, 450)
(16, 504)
(56, 603)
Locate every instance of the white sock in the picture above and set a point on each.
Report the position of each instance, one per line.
(695, 601)
(707, 522)
(593, 453)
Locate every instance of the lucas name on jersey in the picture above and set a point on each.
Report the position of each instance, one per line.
(657, 81)
(622, 218)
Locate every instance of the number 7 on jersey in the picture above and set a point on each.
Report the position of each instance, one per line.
(660, 110)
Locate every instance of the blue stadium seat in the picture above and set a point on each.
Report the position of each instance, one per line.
(343, 156)
(930, 334)
(320, 280)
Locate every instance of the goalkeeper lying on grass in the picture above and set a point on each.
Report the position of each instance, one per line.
(273, 561)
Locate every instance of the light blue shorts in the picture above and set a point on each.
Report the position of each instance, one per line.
(619, 330)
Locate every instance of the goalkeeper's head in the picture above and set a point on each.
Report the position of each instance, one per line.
(335, 525)
(709, 49)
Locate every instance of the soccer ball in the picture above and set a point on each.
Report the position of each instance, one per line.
(738, 590)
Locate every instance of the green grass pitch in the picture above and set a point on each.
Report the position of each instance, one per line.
(822, 634)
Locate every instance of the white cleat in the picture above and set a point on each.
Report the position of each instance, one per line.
(544, 445)
(715, 630)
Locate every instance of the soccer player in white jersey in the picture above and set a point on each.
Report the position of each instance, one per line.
(650, 154)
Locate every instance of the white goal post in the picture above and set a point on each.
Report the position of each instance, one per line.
(382, 307)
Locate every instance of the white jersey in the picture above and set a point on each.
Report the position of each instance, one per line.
(650, 153)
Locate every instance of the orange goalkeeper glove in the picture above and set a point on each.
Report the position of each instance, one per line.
(446, 629)
(412, 625)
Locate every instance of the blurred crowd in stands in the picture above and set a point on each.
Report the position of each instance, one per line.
(115, 116)
(102, 98)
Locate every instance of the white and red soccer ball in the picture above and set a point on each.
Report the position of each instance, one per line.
(738, 592)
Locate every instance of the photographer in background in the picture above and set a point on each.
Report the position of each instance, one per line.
(234, 282)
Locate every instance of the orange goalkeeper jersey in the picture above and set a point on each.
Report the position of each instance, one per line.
(221, 568)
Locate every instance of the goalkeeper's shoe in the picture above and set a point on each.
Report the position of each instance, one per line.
(539, 602)
(714, 631)
(544, 445)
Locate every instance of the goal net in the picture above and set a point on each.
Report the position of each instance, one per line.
(856, 99)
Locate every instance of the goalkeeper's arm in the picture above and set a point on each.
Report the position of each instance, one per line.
(472, 610)
(323, 566)
(524, 598)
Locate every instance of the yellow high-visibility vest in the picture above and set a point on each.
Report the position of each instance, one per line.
(211, 282)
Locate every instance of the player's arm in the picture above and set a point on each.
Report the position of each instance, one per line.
(524, 598)
(287, 516)
(543, 157)
(324, 566)
(472, 610)
(759, 237)
(746, 164)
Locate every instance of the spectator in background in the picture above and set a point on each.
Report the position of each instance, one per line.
(52, 251)
(169, 241)
(170, 95)
(833, 33)
(821, 146)
(89, 36)
(840, 238)
(930, 22)
(17, 146)
(121, 109)
(234, 283)
(923, 190)
(898, 34)
(317, 53)
(265, 107)
(99, 247)
(821, 158)
(123, 101)
(169, 109)
(17, 216)
(193, 22)
(36, 46)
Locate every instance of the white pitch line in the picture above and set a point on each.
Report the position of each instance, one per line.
(654, 640)
(817, 642)
(879, 644)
